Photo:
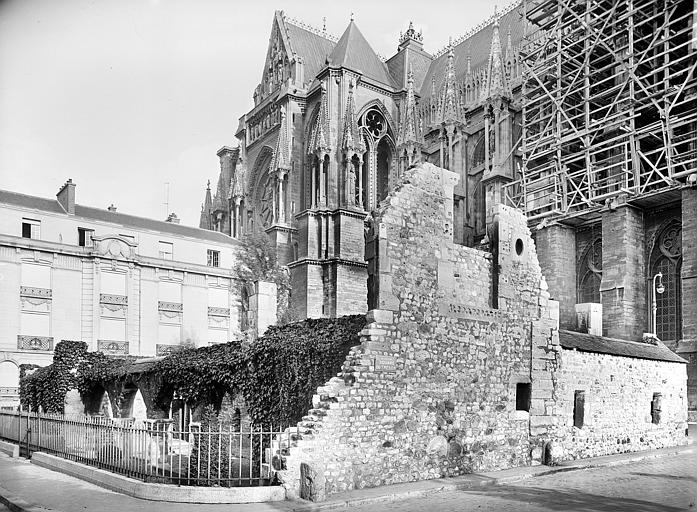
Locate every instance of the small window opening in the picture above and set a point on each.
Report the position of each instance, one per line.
(656, 408)
(519, 247)
(522, 396)
(213, 258)
(31, 228)
(579, 406)
(84, 237)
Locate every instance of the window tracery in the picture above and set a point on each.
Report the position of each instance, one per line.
(378, 159)
(666, 258)
(590, 273)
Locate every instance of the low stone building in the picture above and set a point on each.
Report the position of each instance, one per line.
(462, 367)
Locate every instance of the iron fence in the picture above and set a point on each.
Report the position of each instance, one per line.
(154, 450)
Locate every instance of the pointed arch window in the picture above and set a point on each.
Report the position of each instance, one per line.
(590, 273)
(378, 160)
(666, 258)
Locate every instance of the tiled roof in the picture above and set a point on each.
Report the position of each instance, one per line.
(477, 46)
(97, 214)
(353, 52)
(603, 345)
(313, 48)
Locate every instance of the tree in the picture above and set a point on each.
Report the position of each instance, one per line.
(257, 261)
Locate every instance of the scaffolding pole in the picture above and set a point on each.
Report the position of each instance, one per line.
(609, 104)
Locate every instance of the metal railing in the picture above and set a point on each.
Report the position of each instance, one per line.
(153, 450)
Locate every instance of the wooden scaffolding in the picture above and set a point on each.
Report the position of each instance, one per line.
(609, 105)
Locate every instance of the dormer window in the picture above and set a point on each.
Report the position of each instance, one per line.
(84, 237)
(31, 228)
(166, 250)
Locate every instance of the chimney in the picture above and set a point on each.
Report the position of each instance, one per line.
(112, 208)
(173, 218)
(66, 197)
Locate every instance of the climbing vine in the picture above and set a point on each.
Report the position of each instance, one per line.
(46, 387)
(276, 375)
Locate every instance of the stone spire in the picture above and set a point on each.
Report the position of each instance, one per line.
(351, 141)
(281, 160)
(496, 81)
(450, 106)
(206, 209)
(409, 137)
(319, 138)
(411, 38)
(409, 126)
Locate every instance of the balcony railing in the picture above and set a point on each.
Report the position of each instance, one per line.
(36, 292)
(27, 342)
(114, 348)
(110, 298)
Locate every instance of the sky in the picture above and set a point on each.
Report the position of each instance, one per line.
(133, 98)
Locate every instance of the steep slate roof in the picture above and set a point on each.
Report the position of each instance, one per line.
(603, 345)
(353, 52)
(477, 46)
(312, 47)
(97, 214)
(399, 63)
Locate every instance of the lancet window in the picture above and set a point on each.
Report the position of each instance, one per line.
(590, 272)
(666, 258)
(378, 160)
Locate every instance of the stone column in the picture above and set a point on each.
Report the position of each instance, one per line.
(323, 175)
(623, 287)
(687, 347)
(689, 265)
(313, 187)
(556, 250)
(281, 198)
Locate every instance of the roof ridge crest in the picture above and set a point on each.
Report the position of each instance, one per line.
(310, 28)
(480, 26)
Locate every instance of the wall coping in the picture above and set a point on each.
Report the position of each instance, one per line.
(616, 347)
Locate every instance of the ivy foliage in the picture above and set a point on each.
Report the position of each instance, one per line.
(285, 367)
(46, 387)
(97, 373)
(276, 375)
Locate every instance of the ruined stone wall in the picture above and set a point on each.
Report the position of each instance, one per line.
(617, 414)
(431, 390)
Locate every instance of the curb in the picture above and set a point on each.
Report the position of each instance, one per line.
(17, 504)
(484, 482)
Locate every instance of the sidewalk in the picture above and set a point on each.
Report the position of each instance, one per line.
(26, 487)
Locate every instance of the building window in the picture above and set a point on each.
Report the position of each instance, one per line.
(666, 258)
(213, 258)
(656, 408)
(590, 273)
(166, 250)
(522, 396)
(579, 406)
(84, 237)
(31, 228)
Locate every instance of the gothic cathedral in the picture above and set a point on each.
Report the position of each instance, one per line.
(333, 127)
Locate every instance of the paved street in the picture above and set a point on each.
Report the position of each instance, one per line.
(663, 484)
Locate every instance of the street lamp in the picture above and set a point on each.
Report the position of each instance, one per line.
(656, 288)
